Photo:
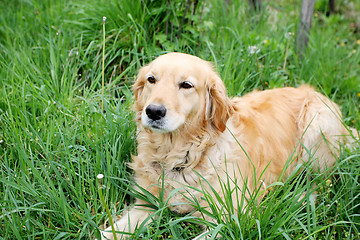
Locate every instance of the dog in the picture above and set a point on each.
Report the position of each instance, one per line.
(189, 130)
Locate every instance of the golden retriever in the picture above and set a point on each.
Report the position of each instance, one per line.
(188, 127)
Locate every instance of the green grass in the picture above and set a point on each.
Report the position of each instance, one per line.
(55, 137)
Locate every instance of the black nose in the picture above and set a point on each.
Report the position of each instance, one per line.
(155, 112)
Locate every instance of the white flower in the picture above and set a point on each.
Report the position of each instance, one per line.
(253, 50)
(104, 18)
(289, 35)
(100, 179)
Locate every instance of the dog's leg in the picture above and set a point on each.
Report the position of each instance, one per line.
(320, 120)
(352, 139)
(127, 224)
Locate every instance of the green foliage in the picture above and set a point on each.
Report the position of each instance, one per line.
(55, 138)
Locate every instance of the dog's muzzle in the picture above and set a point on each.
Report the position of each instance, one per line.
(155, 112)
(159, 118)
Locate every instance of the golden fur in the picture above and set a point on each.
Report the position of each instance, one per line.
(192, 126)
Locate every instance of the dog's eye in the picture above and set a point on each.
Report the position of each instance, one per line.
(151, 79)
(186, 85)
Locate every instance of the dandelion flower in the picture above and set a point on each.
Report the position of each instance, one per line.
(253, 50)
(100, 179)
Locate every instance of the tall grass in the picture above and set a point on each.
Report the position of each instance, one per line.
(55, 137)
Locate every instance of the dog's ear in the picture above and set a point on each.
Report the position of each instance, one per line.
(140, 82)
(219, 106)
(138, 88)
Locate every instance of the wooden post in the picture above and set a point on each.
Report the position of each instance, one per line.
(332, 7)
(183, 18)
(302, 38)
(254, 5)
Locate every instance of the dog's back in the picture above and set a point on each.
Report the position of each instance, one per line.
(280, 125)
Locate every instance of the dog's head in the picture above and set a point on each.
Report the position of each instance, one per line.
(178, 90)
